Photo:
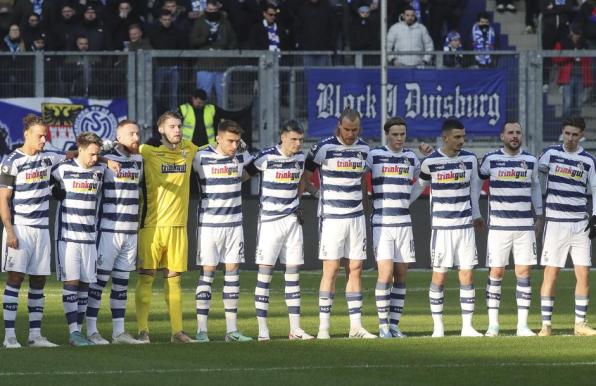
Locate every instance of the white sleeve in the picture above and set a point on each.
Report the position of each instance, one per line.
(592, 183)
(475, 187)
(543, 162)
(424, 176)
(247, 158)
(484, 171)
(536, 192)
(260, 162)
(196, 162)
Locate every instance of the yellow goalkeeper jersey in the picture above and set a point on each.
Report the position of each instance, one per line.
(166, 186)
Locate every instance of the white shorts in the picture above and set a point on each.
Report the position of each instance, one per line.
(117, 251)
(342, 238)
(501, 242)
(565, 238)
(32, 257)
(394, 243)
(76, 261)
(220, 245)
(453, 247)
(280, 238)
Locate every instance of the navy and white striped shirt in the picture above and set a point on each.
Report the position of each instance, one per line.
(569, 175)
(393, 174)
(77, 212)
(280, 176)
(513, 188)
(220, 179)
(119, 209)
(30, 182)
(455, 188)
(341, 168)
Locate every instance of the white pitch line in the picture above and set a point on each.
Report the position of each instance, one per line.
(292, 368)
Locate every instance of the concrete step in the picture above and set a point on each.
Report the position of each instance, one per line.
(513, 25)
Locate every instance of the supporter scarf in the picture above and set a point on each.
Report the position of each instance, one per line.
(12, 46)
(37, 7)
(213, 30)
(272, 35)
(417, 9)
(483, 42)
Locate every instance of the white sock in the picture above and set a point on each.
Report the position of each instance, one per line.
(493, 300)
(292, 295)
(264, 277)
(523, 297)
(118, 299)
(203, 299)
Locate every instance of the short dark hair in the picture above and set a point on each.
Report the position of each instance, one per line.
(291, 125)
(200, 94)
(450, 124)
(483, 15)
(395, 121)
(267, 6)
(88, 138)
(575, 121)
(213, 2)
(509, 122)
(408, 8)
(164, 12)
(227, 125)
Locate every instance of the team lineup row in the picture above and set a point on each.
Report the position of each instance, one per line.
(141, 199)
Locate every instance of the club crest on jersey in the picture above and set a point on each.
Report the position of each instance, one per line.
(580, 165)
(5, 169)
(523, 165)
(407, 162)
(462, 165)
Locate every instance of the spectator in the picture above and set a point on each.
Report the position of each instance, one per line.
(118, 25)
(505, 5)
(38, 44)
(408, 35)
(243, 14)
(78, 72)
(212, 31)
(587, 22)
(13, 72)
(484, 38)
(47, 10)
(574, 73)
(13, 42)
(555, 25)
(316, 30)
(179, 18)
(93, 29)
(31, 28)
(6, 19)
(164, 36)
(532, 10)
(454, 46)
(443, 12)
(267, 34)
(364, 31)
(136, 41)
(63, 33)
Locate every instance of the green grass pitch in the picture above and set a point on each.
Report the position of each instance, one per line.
(417, 360)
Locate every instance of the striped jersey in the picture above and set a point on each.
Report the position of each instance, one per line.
(29, 178)
(568, 177)
(119, 208)
(166, 184)
(513, 188)
(280, 176)
(77, 213)
(393, 174)
(455, 188)
(220, 180)
(341, 168)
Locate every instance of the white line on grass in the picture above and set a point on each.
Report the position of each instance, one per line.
(289, 368)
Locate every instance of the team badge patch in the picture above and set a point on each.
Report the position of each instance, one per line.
(462, 165)
(524, 165)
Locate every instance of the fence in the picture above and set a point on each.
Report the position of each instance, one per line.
(277, 86)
